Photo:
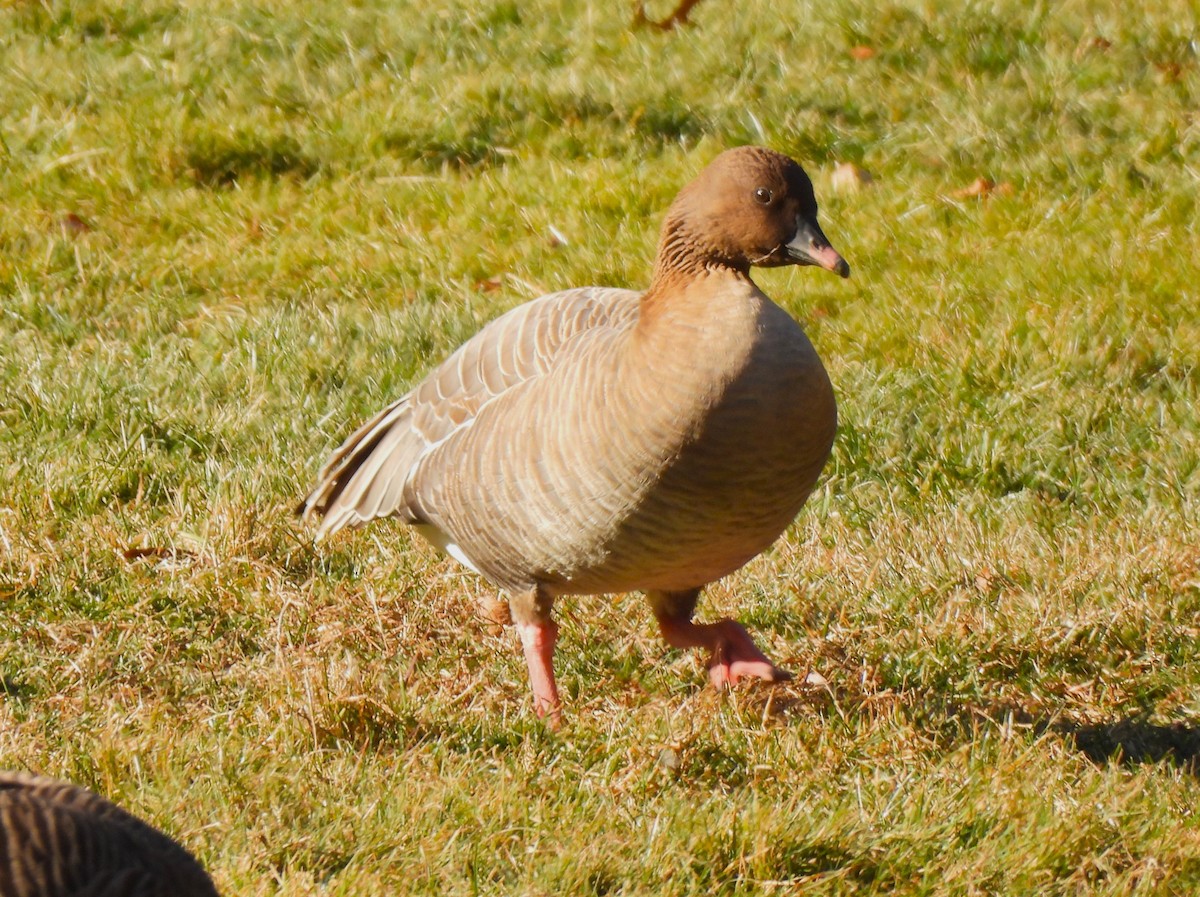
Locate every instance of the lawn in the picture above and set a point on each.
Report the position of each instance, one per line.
(229, 231)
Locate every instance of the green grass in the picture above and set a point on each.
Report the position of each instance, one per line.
(231, 230)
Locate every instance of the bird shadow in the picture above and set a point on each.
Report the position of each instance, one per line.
(1132, 740)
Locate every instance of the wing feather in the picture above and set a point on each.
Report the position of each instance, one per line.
(365, 478)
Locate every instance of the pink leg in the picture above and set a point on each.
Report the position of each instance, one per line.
(539, 632)
(538, 641)
(732, 653)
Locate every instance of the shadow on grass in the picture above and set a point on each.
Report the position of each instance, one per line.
(1133, 741)
(12, 687)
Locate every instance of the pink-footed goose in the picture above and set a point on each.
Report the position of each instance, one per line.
(60, 840)
(603, 440)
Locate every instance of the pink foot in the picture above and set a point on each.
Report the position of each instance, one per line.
(733, 654)
(538, 640)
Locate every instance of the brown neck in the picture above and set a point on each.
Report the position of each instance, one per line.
(681, 259)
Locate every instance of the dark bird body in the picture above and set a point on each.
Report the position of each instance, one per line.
(60, 840)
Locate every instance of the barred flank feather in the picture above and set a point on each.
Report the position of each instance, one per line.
(60, 840)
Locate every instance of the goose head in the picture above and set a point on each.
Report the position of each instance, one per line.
(750, 207)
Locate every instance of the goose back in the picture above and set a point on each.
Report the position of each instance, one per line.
(60, 840)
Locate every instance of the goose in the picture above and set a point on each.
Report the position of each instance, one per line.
(60, 840)
(601, 440)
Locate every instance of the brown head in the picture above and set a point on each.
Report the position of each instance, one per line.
(750, 206)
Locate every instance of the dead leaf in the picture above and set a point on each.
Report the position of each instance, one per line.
(1082, 691)
(73, 225)
(978, 187)
(1095, 45)
(849, 178)
(496, 614)
(1168, 72)
(490, 284)
(678, 17)
(862, 53)
(985, 579)
(167, 555)
(982, 188)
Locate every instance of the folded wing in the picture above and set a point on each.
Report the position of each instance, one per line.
(366, 477)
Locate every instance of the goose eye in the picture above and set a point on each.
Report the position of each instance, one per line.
(763, 195)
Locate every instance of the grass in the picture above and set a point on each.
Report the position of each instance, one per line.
(232, 230)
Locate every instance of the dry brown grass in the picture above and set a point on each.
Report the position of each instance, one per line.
(232, 230)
